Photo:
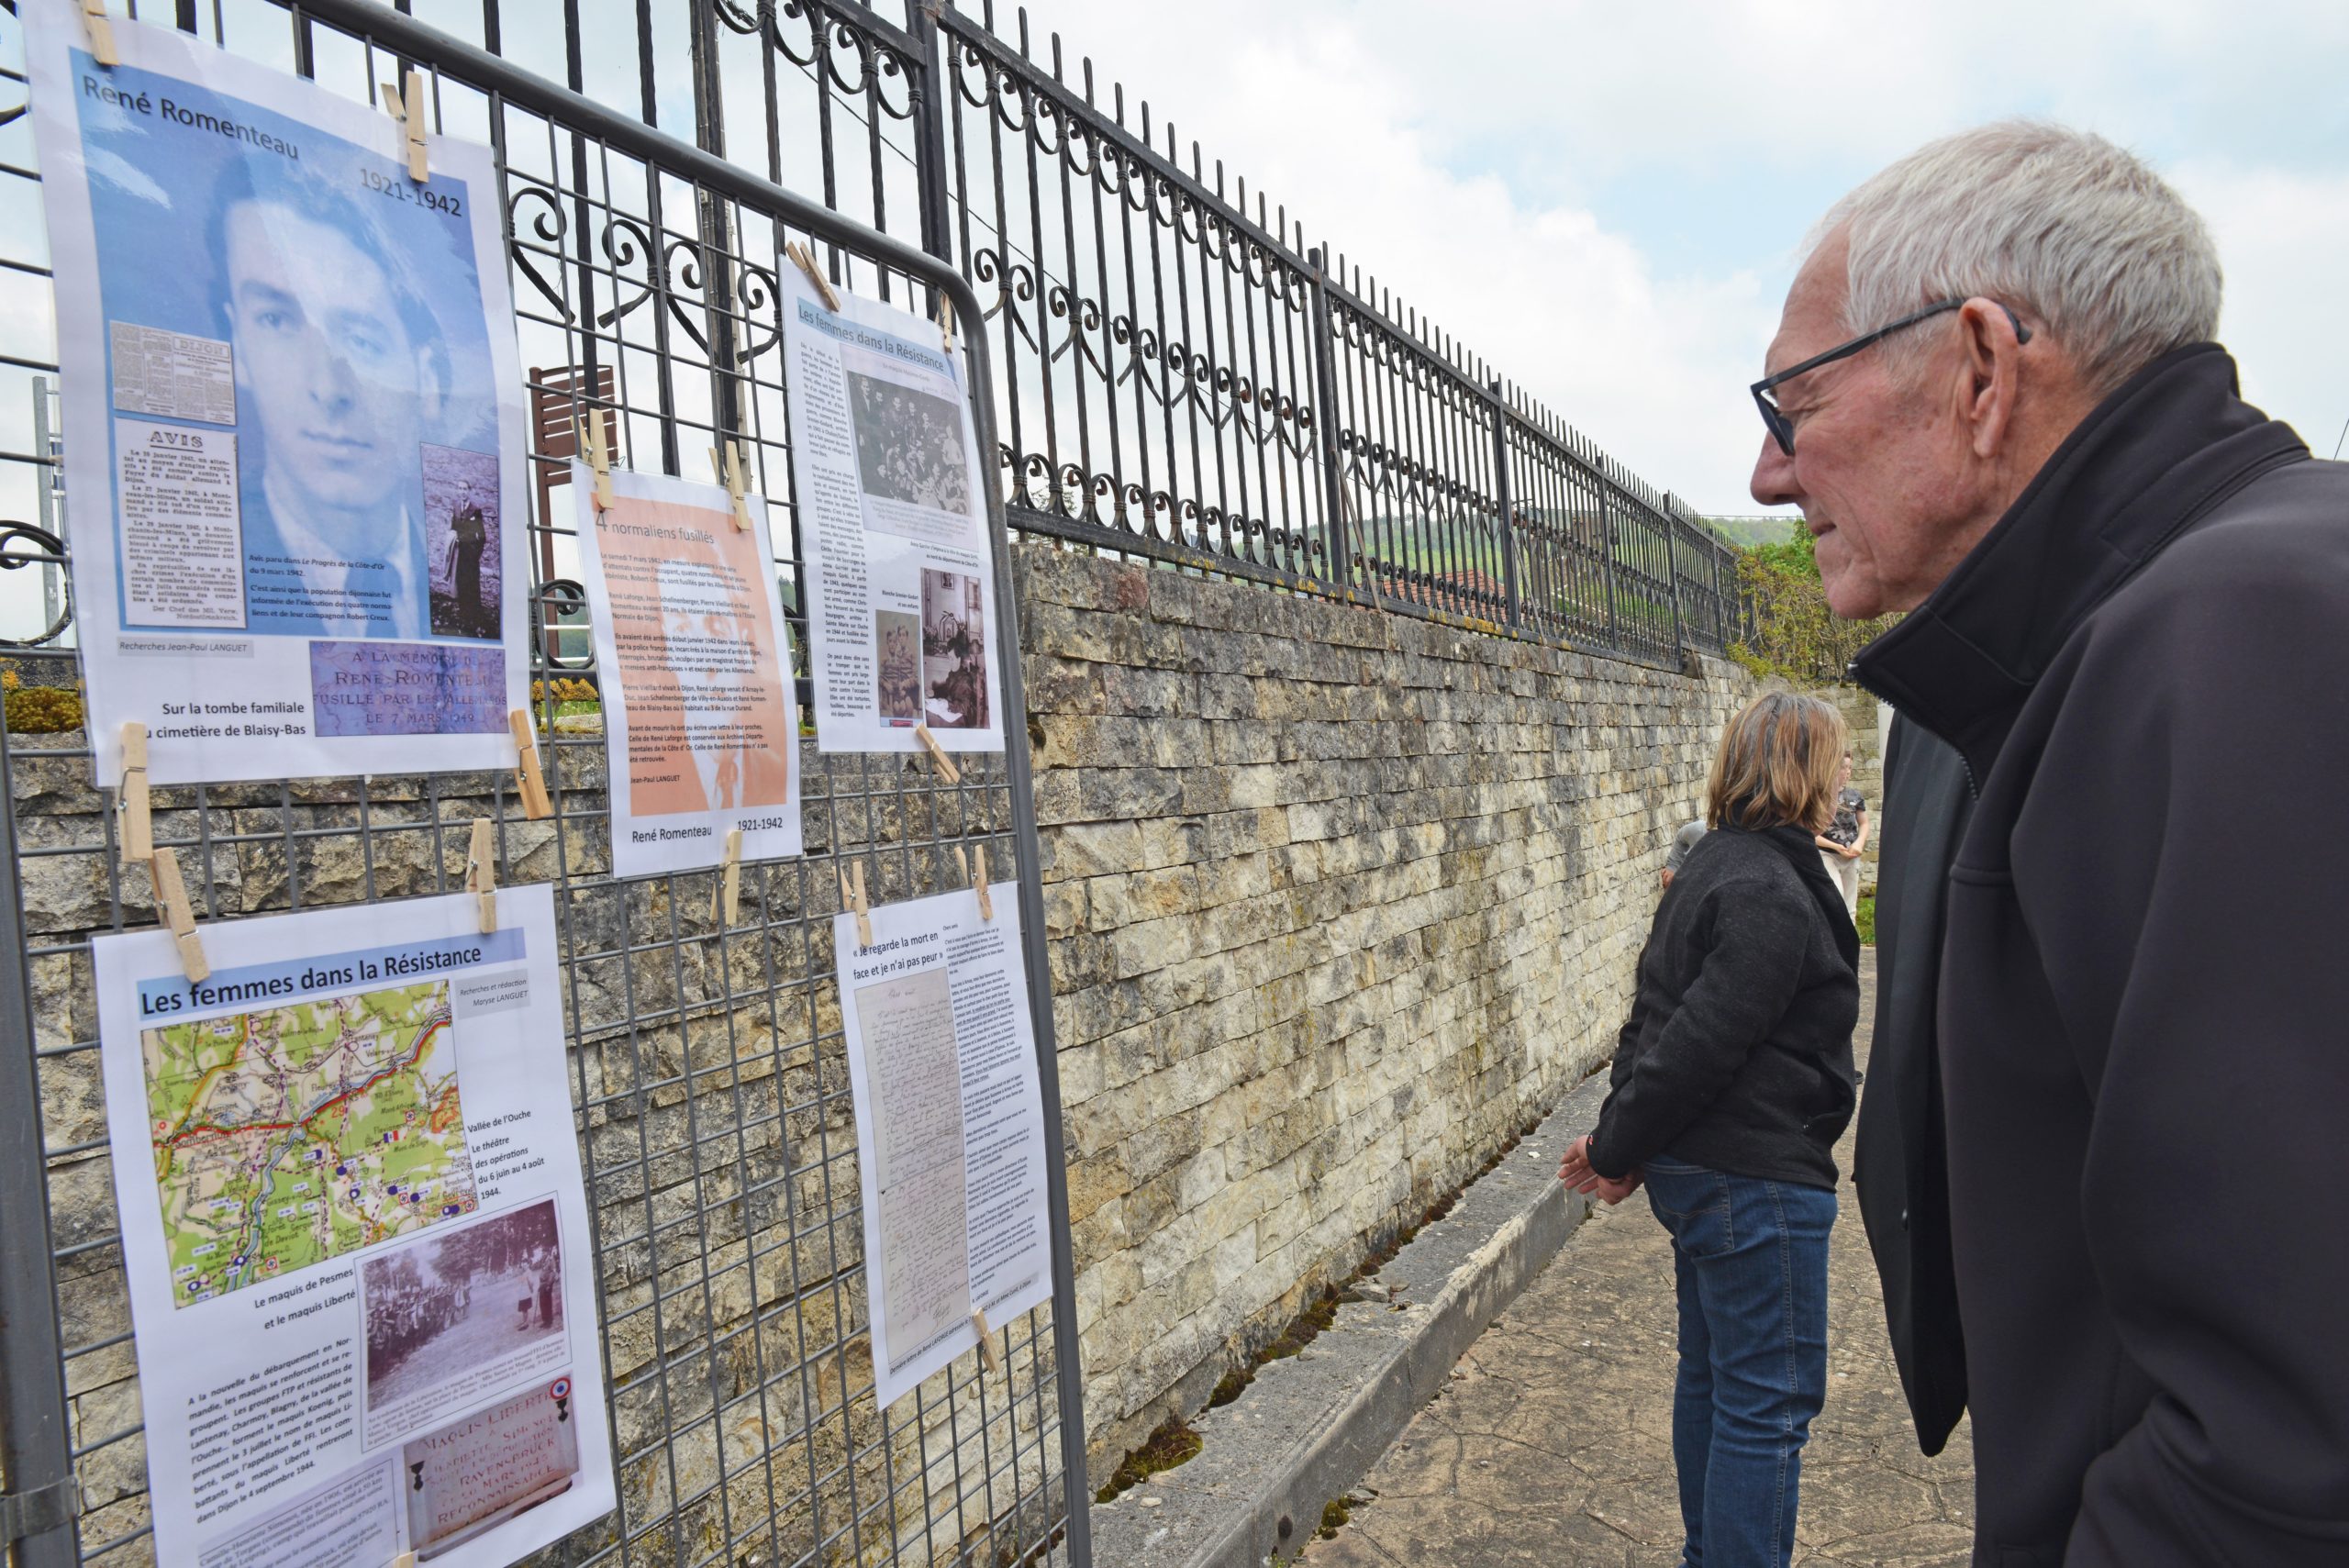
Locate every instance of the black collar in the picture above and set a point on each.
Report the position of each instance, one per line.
(2148, 462)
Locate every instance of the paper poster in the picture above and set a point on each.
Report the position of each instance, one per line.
(693, 658)
(356, 1237)
(293, 419)
(892, 522)
(949, 1127)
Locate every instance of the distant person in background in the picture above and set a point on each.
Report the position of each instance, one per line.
(1681, 843)
(1846, 838)
(1733, 1079)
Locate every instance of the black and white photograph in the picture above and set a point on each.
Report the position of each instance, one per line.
(909, 445)
(461, 542)
(897, 664)
(453, 1305)
(953, 652)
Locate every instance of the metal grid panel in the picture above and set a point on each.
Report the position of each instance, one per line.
(709, 1075)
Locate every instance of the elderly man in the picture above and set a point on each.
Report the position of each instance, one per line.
(1994, 394)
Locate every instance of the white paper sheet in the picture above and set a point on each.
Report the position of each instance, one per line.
(949, 1127)
(886, 469)
(293, 419)
(356, 1237)
(693, 660)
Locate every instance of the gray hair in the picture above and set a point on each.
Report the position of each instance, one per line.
(2058, 223)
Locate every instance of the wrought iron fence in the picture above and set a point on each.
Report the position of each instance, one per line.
(1186, 379)
(1182, 377)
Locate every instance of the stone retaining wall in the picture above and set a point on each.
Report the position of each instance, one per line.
(1339, 901)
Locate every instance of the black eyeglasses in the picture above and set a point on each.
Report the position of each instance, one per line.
(1782, 429)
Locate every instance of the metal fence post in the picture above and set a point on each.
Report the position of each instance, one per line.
(35, 1455)
(1671, 575)
(1325, 393)
(932, 182)
(1502, 488)
(1607, 559)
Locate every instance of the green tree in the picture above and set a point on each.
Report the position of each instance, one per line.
(1796, 637)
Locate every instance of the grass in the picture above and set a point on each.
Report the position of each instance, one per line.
(1865, 920)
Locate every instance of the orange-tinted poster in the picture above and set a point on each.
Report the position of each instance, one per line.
(693, 659)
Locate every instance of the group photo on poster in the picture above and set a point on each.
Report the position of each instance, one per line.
(693, 663)
(892, 521)
(295, 431)
(353, 1226)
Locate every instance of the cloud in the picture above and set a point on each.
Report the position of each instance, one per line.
(1603, 200)
(2281, 239)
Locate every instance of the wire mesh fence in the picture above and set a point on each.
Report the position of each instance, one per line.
(710, 1080)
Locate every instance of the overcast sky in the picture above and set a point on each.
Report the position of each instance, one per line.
(1604, 199)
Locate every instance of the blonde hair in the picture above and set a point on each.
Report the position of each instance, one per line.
(1779, 764)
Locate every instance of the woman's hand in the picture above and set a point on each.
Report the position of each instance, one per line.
(1849, 851)
(1576, 1172)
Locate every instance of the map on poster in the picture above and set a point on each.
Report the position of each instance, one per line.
(293, 417)
(295, 1134)
(363, 1297)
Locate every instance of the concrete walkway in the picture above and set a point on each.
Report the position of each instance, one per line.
(1552, 1442)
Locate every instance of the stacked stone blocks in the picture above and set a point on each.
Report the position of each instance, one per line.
(1339, 900)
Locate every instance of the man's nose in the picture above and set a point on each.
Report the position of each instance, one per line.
(334, 380)
(1773, 476)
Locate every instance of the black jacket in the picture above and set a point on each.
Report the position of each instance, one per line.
(1896, 1158)
(2144, 1011)
(1738, 1053)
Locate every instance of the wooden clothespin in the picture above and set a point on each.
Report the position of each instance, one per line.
(979, 881)
(481, 874)
(806, 259)
(945, 320)
(946, 768)
(853, 895)
(986, 1341)
(408, 110)
(138, 820)
(729, 895)
(599, 456)
(728, 462)
(170, 897)
(404, 1560)
(101, 31)
(530, 784)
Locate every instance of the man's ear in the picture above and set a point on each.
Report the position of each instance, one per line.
(1993, 375)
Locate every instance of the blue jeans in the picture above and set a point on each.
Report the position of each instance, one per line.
(1751, 1261)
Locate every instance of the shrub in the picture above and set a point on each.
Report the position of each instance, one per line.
(565, 689)
(1796, 637)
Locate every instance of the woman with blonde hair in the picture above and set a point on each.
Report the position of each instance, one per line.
(1732, 1080)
